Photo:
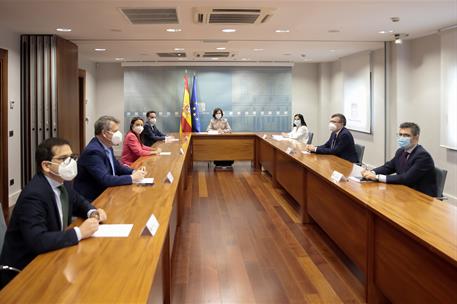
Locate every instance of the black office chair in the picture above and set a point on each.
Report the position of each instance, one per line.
(359, 150)
(440, 182)
(2, 239)
(310, 138)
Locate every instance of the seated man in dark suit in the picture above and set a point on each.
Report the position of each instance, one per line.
(413, 165)
(150, 132)
(44, 210)
(340, 143)
(98, 169)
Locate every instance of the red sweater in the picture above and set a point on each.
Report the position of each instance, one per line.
(133, 149)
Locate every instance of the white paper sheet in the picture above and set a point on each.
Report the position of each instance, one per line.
(113, 230)
(145, 181)
(278, 137)
(213, 132)
(165, 153)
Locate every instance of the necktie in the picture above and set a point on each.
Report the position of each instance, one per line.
(403, 161)
(333, 143)
(65, 206)
(110, 157)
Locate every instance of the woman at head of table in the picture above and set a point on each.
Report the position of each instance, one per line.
(218, 122)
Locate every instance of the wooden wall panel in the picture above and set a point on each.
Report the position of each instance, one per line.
(67, 93)
(49, 95)
(266, 156)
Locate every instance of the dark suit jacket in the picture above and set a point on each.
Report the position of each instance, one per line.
(95, 173)
(344, 146)
(151, 134)
(35, 225)
(419, 171)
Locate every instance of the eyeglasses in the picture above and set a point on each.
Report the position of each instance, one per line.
(65, 159)
(335, 121)
(404, 135)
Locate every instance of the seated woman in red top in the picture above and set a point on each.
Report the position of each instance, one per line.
(133, 147)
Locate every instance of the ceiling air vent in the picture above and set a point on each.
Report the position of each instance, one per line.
(214, 55)
(172, 55)
(207, 15)
(151, 15)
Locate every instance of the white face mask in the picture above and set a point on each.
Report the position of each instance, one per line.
(138, 129)
(218, 116)
(297, 122)
(117, 138)
(332, 127)
(153, 121)
(67, 169)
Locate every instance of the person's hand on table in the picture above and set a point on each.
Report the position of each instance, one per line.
(99, 214)
(88, 227)
(139, 174)
(369, 175)
(310, 148)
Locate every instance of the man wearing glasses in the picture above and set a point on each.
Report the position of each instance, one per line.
(43, 212)
(412, 164)
(340, 143)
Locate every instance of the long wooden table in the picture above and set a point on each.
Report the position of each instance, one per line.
(404, 242)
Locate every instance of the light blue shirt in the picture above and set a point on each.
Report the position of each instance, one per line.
(110, 156)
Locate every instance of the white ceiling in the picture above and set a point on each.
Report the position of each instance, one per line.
(100, 24)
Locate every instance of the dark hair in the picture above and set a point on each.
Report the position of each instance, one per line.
(150, 112)
(341, 117)
(217, 110)
(104, 124)
(413, 126)
(45, 150)
(132, 122)
(303, 123)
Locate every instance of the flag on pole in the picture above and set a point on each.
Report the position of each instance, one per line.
(186, 117)
(194, 107)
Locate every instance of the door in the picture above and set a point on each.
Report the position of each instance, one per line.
(4, 132)
(82, 108)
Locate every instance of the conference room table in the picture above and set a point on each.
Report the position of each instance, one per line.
(402, 241)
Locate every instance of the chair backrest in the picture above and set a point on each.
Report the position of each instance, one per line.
(440, 180)
(310, 138)
(359, 150)
(2, 229)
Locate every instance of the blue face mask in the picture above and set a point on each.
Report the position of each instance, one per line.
(403, 142)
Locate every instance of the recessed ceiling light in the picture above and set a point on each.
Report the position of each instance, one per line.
(179, 49)
(62, 29)
(282, 31)
(214, 58)
(99, 50)
(180, 58)
(257, 50)
(119, 58)
(229, 30)
(244, 59)
(333, 51)
(333, 31)
(385, 32)
(173, 30)
(220, 48)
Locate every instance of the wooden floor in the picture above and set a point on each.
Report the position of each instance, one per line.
(240, 242)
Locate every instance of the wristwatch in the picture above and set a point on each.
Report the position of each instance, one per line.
(95, 215)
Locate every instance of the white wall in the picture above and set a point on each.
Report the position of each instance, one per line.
(331, 101)
(416, 67)
(110, 93)
(305, 95)
(11, 42)
(91, 87)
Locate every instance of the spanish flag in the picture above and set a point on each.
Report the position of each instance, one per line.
(186, 117)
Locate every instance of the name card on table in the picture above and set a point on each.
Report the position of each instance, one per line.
(152, 224)
(289, 150)
(337, 177)
(169, 178)
(181, 151)
(264, 136)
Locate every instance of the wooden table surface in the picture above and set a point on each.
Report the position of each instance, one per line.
(430, 221)
(109, 269)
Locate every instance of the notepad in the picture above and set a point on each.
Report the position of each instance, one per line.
(278, 137)
(113, 230)
(213, 132)
(164, 153)
(145, 181)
